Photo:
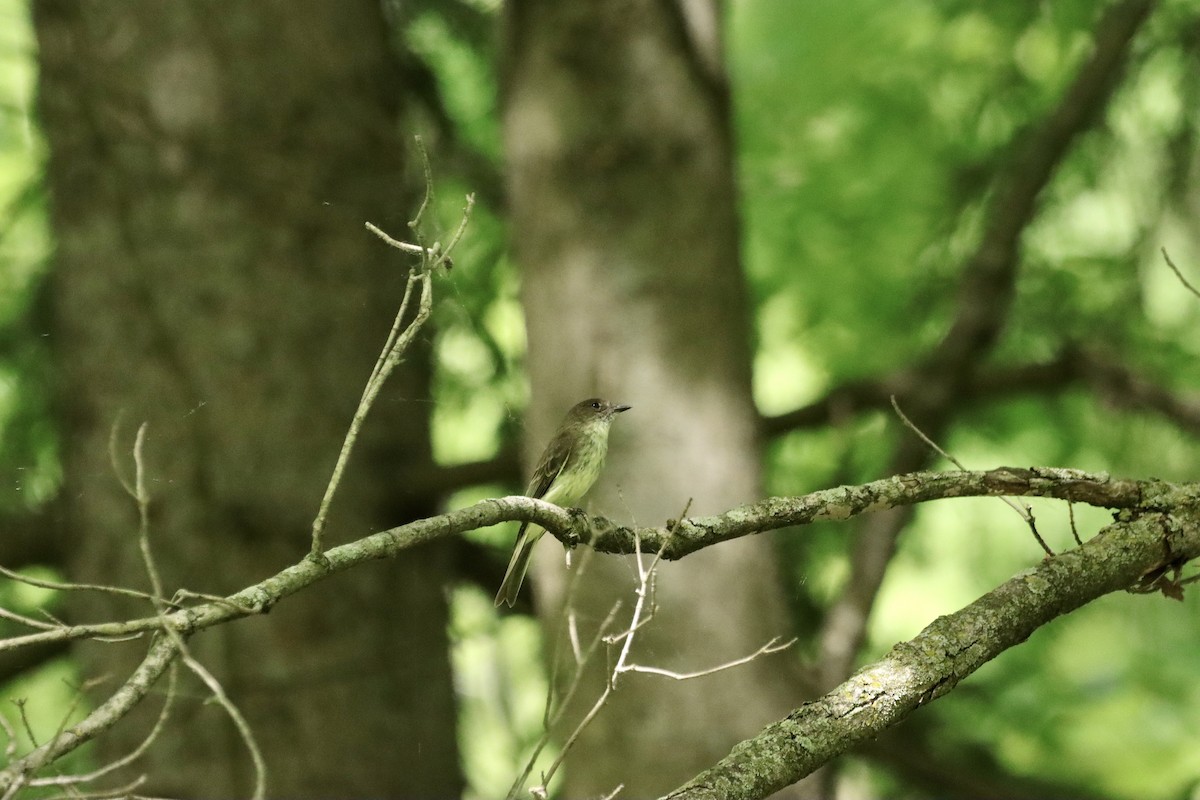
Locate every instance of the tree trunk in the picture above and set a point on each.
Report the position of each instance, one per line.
(623, 209)
(211, 167)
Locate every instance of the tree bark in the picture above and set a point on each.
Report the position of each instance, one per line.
(622, 199)
(211, 167)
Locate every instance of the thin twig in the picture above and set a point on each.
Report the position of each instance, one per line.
(118, 470)
(143, 504)
(1179, 274)
(414, 224)
(128, 758)
(243, 727)
(415, 249)
(1025, 512)
(930, 443)
(142, 497)
(158, 658)
(569, 633)
(639, 617)
(768, 648)
(63, 586)
(20, 703)
(570, 741)
(550, 720)
(30, 621)
(443, 258)
(396, 343)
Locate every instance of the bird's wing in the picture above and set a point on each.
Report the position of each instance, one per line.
(554, 460)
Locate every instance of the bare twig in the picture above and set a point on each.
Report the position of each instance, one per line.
(840, 503)
(1179, 274)
(143, 503)
(930, 443)
(643, 612)
(1025, 512)
(614, 792)
(113, 458)
(21, 704)
(163, 714)
(427, 178)
(645, 593)
(63, 586)
(407, 247)
(25, 620)
(397, 341)
(772, 646)
(243, 727)
(1071, 516)
(553, 712)
(142, 497)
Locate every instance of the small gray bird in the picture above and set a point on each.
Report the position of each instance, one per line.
(566, 471)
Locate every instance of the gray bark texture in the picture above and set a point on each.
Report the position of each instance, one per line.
(211, 168)
(623, 211)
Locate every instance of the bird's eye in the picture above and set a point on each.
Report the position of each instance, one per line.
(596, 404)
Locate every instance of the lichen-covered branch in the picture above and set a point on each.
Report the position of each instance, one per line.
(675, 540)
(844, 502)
(951, 648)
(1113, 560)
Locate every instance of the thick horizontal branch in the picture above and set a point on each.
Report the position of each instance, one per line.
(687, 536)
(951, 648)
(261, 597)
(676, 539)
(1156, 500)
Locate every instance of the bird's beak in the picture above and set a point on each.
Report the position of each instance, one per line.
(619, 409)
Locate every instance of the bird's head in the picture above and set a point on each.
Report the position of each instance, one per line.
(595, 410)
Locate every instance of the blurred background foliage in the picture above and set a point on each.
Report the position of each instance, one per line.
(867, 135)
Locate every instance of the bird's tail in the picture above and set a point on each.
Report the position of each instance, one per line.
(515, 575)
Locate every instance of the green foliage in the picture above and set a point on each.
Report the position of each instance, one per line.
(870, 135)
(479, 344)
(502, 686)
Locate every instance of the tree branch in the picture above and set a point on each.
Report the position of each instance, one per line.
(923, 669)
(844, 502)
(675, 539)
(1140, 499)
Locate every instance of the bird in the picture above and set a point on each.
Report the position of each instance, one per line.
(569, 465)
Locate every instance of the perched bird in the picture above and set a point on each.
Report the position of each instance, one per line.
(568, 467)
